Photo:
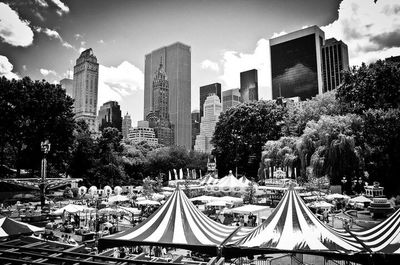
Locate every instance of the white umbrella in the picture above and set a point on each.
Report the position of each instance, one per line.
(336, 196)
(147, 202)
(71, 208)
(217, 203)
(118, 198)
(117, 190)
(319, 204)
(230, 199)
(203, 198)
(157, 196)
(360, 199)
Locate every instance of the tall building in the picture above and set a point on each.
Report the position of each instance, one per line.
(110, 116)
(249, 85)
(296, 63)
(68, 85)
(230, 98)
(212, 109)
(195, 126)
(335, 59)
(142, 133)
(177, 65)
(85, 88)
(207, 90)
(126, 125)
(158, 117)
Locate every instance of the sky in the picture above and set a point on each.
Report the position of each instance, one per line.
(43, 38)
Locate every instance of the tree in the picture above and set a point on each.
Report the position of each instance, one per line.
(370, 87)
(312, 109)
(382, 136)
(31, 113)
(242, 131)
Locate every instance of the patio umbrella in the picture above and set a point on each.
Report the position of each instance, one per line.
(118, 198)
(217, 203)
(147, 202)
(336, 196)
(10, 227)
(360, 199)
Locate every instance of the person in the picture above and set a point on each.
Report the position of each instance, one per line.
(122, 253)
(325, 216)
(116, 253)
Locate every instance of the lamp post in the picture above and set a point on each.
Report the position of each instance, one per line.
(344, 181)
(45, 148)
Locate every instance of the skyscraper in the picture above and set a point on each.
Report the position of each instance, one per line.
(335, 59)
(126, 125)
(158, 117)
(207, 90)
(110, 116)
(142, 133)
(68, 85)
(230, 98)
(296, 63)
(177, 65)
(249, 85)
(195, 126)
(85, 87)
(212, 109)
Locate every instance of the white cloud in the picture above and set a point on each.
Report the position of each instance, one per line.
(78, 36)
(371, 31)
(13, 30)
(101, 41)
(115, 83)
(208, 64)
(6, 68)
(234, 63)
(275, 35)
(68, 74)
(46, 72)
(81, 49)
(42, 3)
(53, 34)
(62, 7)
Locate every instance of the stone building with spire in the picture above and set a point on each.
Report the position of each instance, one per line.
(158, 118)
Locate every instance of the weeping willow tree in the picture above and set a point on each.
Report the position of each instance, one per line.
(337, 154)
(305, 148)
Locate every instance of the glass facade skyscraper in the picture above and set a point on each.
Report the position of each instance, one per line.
(296, 64)
(230, 98)
(177, 64)
(110, 116)
(249, 85)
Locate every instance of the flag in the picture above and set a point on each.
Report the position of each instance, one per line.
(180, 173)
(169, 175)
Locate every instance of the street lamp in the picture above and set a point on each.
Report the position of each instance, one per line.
(45, 148)
(344, 181)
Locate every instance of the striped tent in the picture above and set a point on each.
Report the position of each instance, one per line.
(292, 227)
(12, 228)
(178, 223)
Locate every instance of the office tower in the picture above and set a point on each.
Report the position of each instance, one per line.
(126, 125)
(249, 85)
(335, 59)
(296, 63)
(67, 85)
(85, 87)
(177, 65)
(212, 109)
(230, 98)
(158, 117)
(207, 90)
(142, 133)
(110, 116)
(195, 126)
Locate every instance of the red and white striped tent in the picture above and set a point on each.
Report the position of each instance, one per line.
(292, 227)
(178, 223)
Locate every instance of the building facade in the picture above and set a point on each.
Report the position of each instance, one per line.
(335, 60)
(126, 125)
(177, 65)
(296, 64)
(142, 133)
(207, 90)
(68, 85)
(110, 116)
(230, 98)
(158, 117)
(249, 85)
(212, 109)
(195, 126)
(85, 88)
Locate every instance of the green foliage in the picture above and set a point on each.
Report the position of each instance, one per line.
(31, 113)
(370, 87)
(241, 132)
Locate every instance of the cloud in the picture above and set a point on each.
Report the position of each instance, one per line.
(115, 83)
(53, 34)
(370, 30)
(42, 3)
(6, 68)
(83, 43)
(276, 34)
(62, 7)
(234, 63)
(68, 74)
(101, 41)
(78, 36)
(46, 72)
(13, 30)
(207, 64)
